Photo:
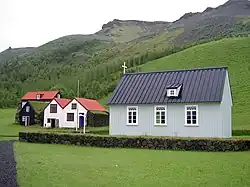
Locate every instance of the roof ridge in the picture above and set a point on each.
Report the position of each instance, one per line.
(85, 98)
(178, 70)
(45, 91)
(63, 98)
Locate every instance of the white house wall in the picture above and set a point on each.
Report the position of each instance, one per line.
(59, 115)
(67, 109)
(226, 109)
(209, 119)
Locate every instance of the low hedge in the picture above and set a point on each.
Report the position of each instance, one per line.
(138, 142)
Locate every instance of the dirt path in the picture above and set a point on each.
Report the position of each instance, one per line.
(7, 165)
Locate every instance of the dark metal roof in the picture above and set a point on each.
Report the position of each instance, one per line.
(198, 85)
(173, 85)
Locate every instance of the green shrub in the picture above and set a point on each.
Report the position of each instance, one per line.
(196, 144)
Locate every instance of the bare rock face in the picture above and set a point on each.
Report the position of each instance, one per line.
(235, 8)
(117, 22)
(190, 14)
(208, 9)
(127, 30)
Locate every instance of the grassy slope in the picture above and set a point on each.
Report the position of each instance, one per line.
(60, 63)
(233, 53)
(61, 165)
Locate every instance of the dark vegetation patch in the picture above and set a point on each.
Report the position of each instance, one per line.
(192, 144)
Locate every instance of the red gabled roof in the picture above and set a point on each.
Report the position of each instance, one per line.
(44, 95)
(90, 104)
(62, 102)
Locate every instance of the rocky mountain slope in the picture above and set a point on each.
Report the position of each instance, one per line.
(96, 59)
(12, 53)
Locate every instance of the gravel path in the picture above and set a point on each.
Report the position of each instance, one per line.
(7, 165)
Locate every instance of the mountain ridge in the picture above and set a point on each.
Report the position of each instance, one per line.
(110, 24)
(96, 59)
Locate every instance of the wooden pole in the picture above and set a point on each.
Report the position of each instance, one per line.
(78, 88)
(77, 116)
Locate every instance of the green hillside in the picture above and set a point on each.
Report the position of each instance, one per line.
(11, 53)
(233, 53)
(95, 60)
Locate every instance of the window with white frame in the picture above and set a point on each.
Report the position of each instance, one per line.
(191, 115)
(27, 109)
(73, 106)
(70, 116)
(160, 115)
(132, 115)
(172, 92)
(38, 96)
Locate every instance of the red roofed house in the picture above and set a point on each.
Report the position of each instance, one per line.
(44, 96)
(54, 113)
(30, 110)
(64, 113)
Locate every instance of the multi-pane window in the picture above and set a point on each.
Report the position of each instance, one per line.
(53, 108)
(27, 108)
(160, 115)
(70, 116)
(132, 115)
(171, 92)
(191, 115)
(73, 106)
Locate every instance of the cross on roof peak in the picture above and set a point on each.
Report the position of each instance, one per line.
(124, 67)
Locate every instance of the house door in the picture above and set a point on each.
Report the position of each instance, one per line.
(81, 121)
(57, 123)
(53, 123)
(26, 120)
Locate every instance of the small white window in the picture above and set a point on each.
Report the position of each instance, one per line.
(160, 115)
(37, 96)
(172, 92)
(27, 109)
(132, 115)
(73, 106)
(23, 118)
(191, 115)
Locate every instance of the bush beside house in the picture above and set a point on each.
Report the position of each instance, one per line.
(220, 145)
(97, 118)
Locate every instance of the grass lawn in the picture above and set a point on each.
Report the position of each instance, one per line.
(61, 165)
(9, 131)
